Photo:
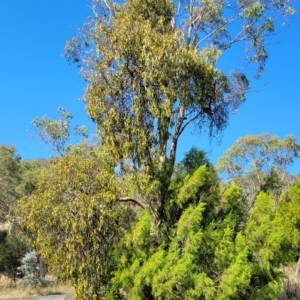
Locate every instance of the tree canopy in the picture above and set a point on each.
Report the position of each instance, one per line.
(258, 162)
(151, 68)
(78, 220)
(9, 180)
(57, 133)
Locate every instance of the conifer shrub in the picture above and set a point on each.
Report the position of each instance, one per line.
(30, 268)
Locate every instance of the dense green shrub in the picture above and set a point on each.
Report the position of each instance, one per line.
(12, 249)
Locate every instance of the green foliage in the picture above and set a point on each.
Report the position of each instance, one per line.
(151, 72)
(272, 183)
(188, 189)
(12, 249)
(191, 186)
(213, 251)
(260, 162)
(259, 153)
(30, 171)
(56, 133)
(193, 160)
(17, 178)
(76, 221)
(203, 249)
(9, 180)
(289, 214)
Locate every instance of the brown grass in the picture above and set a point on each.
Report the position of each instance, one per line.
(4, 226)
(9, 289)
(291, 285)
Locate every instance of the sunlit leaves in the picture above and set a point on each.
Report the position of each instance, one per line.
(76, 220)
(9, 180)
(56, 133)
(257, 162)
(212, 252)
(151, 84)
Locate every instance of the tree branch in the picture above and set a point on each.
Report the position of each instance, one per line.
(215, 30)
(133, 200)
(176, 135)
(107, 5)
(175, 17)
(189, 122)
(191, 9)
(237, 37)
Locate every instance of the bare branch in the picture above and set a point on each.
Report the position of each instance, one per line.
(133, 200)
(189, 122)
(237, 37)
(191, 23)
(174, 19)
(176, 135)
(218, 28)
(107, 5)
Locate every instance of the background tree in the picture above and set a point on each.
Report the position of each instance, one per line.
(193, 160)
(9, 180)
(17, 178)
(13, 246)
(260, 162)
(30, 171)
(56, 133)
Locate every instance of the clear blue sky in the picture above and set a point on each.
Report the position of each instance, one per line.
(35, 79)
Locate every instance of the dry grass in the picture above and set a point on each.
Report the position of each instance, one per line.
(291, 285)
(4, 226)
(9, 289)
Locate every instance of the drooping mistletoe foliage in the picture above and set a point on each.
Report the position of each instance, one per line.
(75, 220)
(151, 69)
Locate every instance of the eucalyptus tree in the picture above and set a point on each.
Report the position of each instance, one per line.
(151, 68)
(260, 162)
(57, 133)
